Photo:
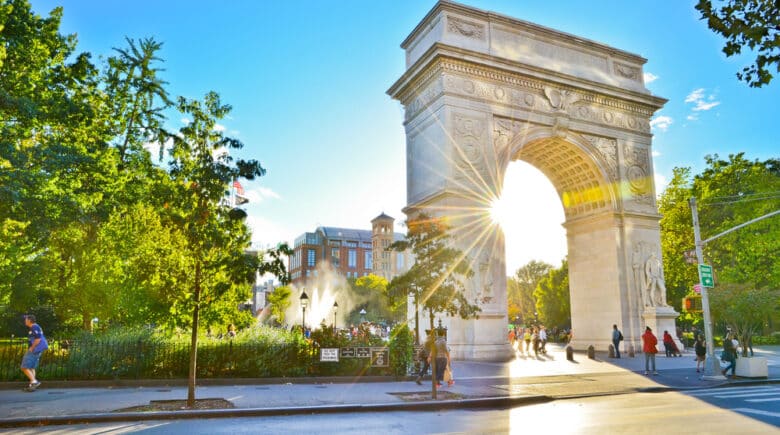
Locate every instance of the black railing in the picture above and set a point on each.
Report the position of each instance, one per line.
(83, 360)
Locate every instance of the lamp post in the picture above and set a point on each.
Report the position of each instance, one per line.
(304, 302)
(335, 311)
(362, 315)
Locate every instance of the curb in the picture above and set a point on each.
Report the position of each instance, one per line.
(488, 402)
(183, 382)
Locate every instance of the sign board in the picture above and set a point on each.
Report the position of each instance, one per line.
(705, 272)
(363, 352)
(329, 354)
(348, 352)
(690, 256)
(692, 304)
(380, 357)
(697, 288)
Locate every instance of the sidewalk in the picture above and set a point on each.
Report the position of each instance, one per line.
(523, 380)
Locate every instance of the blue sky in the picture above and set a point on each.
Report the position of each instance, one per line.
(307, 82)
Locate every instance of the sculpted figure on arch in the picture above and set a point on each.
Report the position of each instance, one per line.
(655, 289)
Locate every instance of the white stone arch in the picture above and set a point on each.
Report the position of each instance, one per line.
(482, 89)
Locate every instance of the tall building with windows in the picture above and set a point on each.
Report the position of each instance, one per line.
(351, 252)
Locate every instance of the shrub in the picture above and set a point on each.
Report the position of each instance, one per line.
(401, 349)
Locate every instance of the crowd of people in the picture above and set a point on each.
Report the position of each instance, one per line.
(523, 340)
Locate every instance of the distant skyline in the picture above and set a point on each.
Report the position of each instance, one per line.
(307, 82)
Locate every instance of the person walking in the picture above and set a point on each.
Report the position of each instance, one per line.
(543, 340)
(649, 343)
(729, 355)
(617, 337)
(442, 359)
(535, 339)
(701, 352)
(425, 358)
(36, 345)
(668, 344)
(527, 339)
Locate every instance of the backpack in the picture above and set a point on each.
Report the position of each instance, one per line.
(620, 337)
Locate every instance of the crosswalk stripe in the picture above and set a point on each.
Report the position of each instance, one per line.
(774, 399)
(737, 396)
(758, 411)
(717, 391)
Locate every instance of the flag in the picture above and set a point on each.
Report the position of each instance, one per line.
(238, 187)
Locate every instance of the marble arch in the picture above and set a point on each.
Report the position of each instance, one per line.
(482, 89)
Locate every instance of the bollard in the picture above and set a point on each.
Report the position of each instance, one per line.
(569, 353)
(591, 352)
(611, 351)
(631, 352)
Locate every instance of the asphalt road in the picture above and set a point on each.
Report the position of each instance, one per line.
(654, 413)
(761, 402)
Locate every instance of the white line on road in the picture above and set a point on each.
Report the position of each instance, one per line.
(757, 411)
(775, 399)
(717, 391)
(737, 396)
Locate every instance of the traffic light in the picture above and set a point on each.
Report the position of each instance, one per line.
(692, 304)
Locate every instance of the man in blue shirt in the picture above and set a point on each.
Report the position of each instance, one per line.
(36, 345)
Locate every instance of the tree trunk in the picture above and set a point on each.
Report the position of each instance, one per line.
(434, 380)
(194, 340)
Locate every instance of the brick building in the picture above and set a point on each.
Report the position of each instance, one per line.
(351, 252)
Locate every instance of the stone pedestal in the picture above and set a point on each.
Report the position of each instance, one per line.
(661, 319)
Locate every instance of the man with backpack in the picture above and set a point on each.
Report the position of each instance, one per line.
(617, 337)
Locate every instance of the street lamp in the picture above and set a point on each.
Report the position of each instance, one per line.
(304, 302)
(335, 311)
(362, 315)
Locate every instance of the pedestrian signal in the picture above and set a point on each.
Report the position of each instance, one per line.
(692, 304)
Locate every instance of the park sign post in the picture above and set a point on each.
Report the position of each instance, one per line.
(705, 271)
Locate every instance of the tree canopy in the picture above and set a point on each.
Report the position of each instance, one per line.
(521, 287)
(752, 24)
(92, 225)
(436, 280)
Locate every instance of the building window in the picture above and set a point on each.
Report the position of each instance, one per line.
(351, 244)
(399, 263)
(308, 273)
(352, 260)
(369, 260)
(312, 257)
(334, 253)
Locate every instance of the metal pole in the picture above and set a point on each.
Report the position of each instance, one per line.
(711, 365)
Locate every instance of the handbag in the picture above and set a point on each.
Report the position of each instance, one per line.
(447, 374)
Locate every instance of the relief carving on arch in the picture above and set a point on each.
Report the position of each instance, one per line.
(471, 167)
(637, 174)
(608, 150)
(465, 28)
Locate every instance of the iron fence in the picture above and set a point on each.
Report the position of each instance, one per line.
(142, 359)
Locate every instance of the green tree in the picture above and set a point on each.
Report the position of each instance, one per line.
(202, 167)
(372, 290)
(729, 192)
(744, 308)
(435, 281)
(521, 287)
(553, 302)
(754, 24)
(279, 300)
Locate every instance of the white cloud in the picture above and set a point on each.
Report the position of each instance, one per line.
(154, 148)
(701, 103)
(662, 122)
(259, 194)
(692, 117)
(656, 153)
(650, 77)
(266, 233)
(219, 127)
(694, 96)
(185, 121)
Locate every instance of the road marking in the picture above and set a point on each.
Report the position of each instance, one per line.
(737, 396)
(757, 411)
(718, 391)
(776, 399)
